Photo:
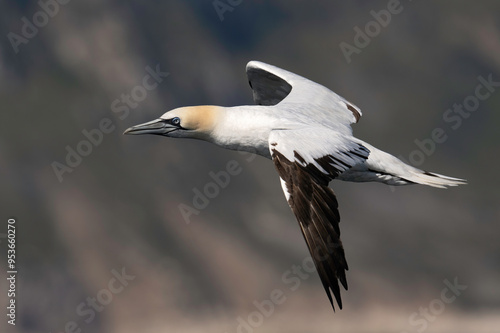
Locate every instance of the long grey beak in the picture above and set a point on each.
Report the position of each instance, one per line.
(157, 126)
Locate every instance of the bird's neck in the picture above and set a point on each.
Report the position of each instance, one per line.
(244, 128)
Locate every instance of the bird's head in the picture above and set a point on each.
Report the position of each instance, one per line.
(186, 122)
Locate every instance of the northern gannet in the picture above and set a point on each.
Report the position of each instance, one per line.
(305, 129)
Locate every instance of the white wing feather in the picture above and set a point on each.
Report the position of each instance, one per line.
(328, 151)
(272, 85)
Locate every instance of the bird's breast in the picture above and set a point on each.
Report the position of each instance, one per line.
(255, 142)
(244, 133)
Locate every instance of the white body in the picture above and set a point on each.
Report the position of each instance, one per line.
(247, 128)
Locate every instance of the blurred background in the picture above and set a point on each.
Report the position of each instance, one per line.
(102, 242)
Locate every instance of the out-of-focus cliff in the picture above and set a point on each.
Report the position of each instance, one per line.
(116, 210)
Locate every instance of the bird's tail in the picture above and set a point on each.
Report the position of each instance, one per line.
(391, 170)
(433, 179)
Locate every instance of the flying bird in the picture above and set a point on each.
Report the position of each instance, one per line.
(305, 129)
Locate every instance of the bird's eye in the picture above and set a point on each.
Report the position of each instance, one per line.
(176, 121)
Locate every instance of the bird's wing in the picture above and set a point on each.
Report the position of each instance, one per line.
(306, 160)
(272, 85)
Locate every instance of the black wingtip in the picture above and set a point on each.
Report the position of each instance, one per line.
(343, 280)
(330, 299)
(339, 301)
